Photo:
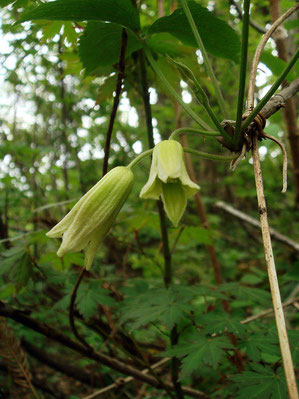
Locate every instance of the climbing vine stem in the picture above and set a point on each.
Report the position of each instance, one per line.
(173, 92)
(207, 63)
(242, 78)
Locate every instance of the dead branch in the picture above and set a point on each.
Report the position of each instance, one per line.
(254, 222)
(115, 364)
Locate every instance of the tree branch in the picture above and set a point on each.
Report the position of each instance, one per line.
(279, 100)
(57, 363)
(253, 222)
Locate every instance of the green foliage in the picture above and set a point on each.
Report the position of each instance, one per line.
(16, 266)
(200, 351)
(59, 78)
(107, 38)
(219, 38)
(121, 12)
(153, 304)
(261, 382)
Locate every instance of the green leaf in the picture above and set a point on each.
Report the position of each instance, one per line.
(262, 382)
(219, 323)
(198, 234)
(257, 344)
(106, 89)
(90, 296)
(16, 266)
(168, 305)
(121, 12)
(293, 24)
(250, 294)
(207, 351)
(219, 38)
(100, 45)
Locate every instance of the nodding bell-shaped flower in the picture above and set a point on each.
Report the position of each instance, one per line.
(169, 179)
(90, 220)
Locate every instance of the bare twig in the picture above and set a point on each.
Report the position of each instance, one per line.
(123, 381)
(268, 311)
(274, 287)
(258, 52)
(279, 100)
(253, 222)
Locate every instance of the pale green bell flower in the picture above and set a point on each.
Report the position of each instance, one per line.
(90, 220)
(169, 179)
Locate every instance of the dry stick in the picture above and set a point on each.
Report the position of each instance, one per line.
(254, 222)
(258, 52)
(268, 311)
(123, 381)
(274, 287)
(279, 100)
(119, 81)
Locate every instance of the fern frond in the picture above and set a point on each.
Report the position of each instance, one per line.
(15, 359)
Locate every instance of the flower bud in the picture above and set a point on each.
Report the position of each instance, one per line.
(169, 179)
(90, 220)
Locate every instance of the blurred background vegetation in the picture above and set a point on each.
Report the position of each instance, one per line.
(54, 115)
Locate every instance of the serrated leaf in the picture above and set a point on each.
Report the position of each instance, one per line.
(89, 297)
(167, 305)
(208, 351)
(220, 323)
(241, 292)
(219, 38)
(121, 12)
(16, 266)
(256, 344)
(100, 45)
(262, 382)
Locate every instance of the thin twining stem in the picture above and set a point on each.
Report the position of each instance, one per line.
(258, 52)
(173, 92)
(274, 287)
(214, 157)
(183, 130)
(140, 157)
(285, 161)
(207, 63)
